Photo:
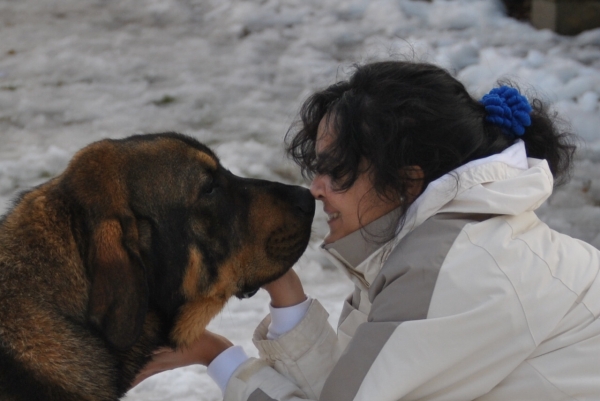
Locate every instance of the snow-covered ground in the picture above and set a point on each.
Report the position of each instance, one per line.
(233, 74)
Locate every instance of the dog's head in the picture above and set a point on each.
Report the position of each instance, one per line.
(162, 225)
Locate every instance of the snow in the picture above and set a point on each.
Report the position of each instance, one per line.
(233, 74)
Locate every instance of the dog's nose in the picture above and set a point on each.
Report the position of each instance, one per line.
(304, 201)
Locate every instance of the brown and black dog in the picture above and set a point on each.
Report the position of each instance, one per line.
(138, 244)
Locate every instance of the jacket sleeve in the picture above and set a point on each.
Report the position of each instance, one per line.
(292, 367)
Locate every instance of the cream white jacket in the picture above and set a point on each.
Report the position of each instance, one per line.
(474, 299)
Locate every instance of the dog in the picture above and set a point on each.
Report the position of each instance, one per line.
(138, 244)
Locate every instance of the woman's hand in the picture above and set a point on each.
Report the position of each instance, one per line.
(202, 352)
(286, 290)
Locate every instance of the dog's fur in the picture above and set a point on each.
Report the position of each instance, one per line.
(138, 244)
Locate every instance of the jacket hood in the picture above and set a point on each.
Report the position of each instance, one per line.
(508, 183)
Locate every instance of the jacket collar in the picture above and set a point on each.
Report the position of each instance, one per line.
(351, 252)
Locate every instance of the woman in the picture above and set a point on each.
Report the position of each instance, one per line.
(461, 292)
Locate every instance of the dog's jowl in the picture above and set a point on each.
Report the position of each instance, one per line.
(137, 245)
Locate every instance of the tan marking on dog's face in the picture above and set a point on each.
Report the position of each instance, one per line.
(206, 159)
(267, 219)
(195, 315)
(281, 236)
(193, 274)
(193, 319)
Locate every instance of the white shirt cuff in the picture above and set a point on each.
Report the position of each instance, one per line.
(285, 319)
(223, 366)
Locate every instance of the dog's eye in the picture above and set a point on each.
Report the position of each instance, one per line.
(210, 188)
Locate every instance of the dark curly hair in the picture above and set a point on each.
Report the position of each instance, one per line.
(397, 114)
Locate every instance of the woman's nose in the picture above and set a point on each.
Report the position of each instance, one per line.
(317, 187)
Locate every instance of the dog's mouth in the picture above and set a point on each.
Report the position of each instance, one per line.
(244, 294)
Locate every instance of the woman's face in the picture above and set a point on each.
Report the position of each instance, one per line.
(349, 210)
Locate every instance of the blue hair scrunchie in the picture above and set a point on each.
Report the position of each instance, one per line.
(507, 108)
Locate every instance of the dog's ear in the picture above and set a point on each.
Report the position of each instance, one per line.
(119, 293)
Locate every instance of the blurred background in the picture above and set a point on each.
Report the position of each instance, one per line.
(234, 73)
